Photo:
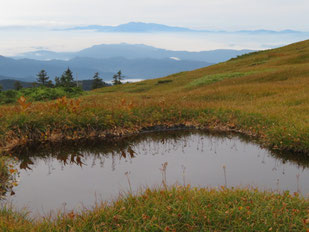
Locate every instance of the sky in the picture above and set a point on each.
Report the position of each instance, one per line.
(197, 14)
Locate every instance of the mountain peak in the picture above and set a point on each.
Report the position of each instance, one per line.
(133, 27)
(142, 27)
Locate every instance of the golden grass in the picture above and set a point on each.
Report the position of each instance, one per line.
(178, 209)
(265, 94)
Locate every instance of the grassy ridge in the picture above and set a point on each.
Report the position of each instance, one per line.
(264, 94)
(179, 209)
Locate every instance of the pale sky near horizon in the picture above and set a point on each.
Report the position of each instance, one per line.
(198, 14)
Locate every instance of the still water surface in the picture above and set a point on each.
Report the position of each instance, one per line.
(77, 177)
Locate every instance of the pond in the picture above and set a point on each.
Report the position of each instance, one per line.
(75, 177)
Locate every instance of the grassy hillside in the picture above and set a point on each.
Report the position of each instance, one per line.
(263, 94)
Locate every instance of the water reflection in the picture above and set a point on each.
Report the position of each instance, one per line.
(154, 143)
(79, 175)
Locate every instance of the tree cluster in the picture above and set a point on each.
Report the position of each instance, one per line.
(117, 78)
(97, 82)
(67, 80)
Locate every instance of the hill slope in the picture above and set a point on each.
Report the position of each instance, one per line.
(264, 95)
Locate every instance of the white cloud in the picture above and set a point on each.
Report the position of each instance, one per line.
(219, 14)
(175, 58)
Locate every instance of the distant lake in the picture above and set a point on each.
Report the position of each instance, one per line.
(14, 41)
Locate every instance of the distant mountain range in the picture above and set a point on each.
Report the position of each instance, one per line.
(10, 78)
(7, 84)
(135, 61)
(10, 84)
(84, 67)
(140, 27)
(135, 51)
(133, 27)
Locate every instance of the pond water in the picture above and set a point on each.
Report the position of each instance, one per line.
(75, 177)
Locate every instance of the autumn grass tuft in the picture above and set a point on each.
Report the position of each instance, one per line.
(179, 209)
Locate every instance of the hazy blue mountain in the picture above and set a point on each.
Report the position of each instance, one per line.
(135, 61)
(5, 77)
(26, 69)
(86, 67)
(140, 27)
(9, 84)
(133, 27)
(136, 51)
(140, 68)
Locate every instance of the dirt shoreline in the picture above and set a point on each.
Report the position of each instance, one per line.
(61, 140)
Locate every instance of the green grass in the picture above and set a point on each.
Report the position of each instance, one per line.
(209, 79)
(178, 209)
(39, 94)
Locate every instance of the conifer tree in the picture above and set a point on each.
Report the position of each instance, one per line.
(42, 77)
(57, 82)
(97, 81)
(17, 85)
(117, 78)
(66, 79)
(49, 84)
